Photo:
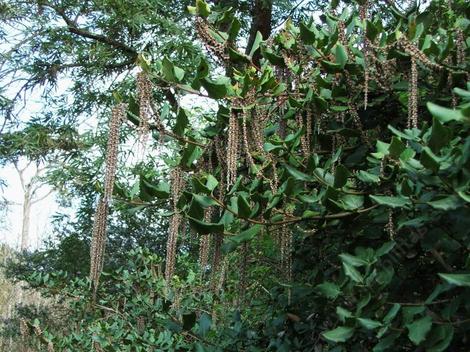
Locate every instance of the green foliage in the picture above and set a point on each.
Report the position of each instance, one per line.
(377, 209)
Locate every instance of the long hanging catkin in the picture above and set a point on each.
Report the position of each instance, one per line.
(144, 93)
(204, 243)
(232, 149)
(98, 242)
(177, 184)
(363, 14)
(413, 96)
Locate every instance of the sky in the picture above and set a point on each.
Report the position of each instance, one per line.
(11, 223)
(40, 213)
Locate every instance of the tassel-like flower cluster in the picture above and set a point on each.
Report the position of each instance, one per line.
(98, 241)
(211, 44)
(413, 96)
(177, 185)
(233, 145)
(417, 54)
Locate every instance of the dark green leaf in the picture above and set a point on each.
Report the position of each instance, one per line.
(256, 44)
(385, 248)
(216, 90)
(440, 136)
(418, 330)
(340, 334)
(306, 34)
(189, 320)
(181, 122)
(352, 260)
(445, 115)
(244, 209)
(367, 177)
(298, 175)
(429, 160)
(341, 176)
(352, 273)
(328, 289)
(456, 279)
(204, 201)
(204, 322)
(246, 235)
(203, 9)
(396, 148)
(392, 313)
(341, 55)
(392, 202)
(446, 203)
(369, 324)
(205, 228)
(237, 57)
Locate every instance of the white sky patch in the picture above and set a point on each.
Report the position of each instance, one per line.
(40, 226)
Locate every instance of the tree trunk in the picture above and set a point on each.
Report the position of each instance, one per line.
(26, 217)
(261, 15)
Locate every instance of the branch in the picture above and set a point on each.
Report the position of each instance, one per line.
(160, 128)
(293, 220)
(325, 217)
(92, 64)
(73, 28)
(291, 12)
(43, 197)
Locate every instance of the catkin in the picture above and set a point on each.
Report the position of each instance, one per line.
(210, 43)
(171, 246)
(413, 96)
(50, 347)
(144, 94)
(363, 13)
(258, 126)
(204, 252)
(308, 131)
(117, 117)
(98, 241)
(300, 125)
(232, 149)
(286, 251)
(460, 44)
(24, 329)
(283, 238)
(205, 242)
(246, 145)
(177, 185)
(390, 227)
(417, 54)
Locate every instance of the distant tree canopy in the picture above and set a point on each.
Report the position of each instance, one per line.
(318, 201)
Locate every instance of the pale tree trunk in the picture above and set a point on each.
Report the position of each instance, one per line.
(27, 202)
(30, 190)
